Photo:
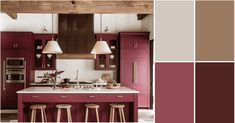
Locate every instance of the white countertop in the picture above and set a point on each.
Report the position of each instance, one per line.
(74, 90)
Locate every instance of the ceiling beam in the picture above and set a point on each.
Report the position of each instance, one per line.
(12, 15)
(141, 16)
(78, 6)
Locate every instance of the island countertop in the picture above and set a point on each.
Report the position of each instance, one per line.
(74, 90)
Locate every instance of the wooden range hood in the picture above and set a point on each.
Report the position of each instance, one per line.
(12, 7)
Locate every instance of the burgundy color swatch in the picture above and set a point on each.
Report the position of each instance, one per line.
(214, 92)
(174, 92)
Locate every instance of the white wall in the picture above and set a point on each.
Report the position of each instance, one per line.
(29, 22)
(148, 25)
(36, 22)
(70, 67)
(174, 31)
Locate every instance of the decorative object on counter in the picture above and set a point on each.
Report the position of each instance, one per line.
(113, 85)
(101, 47)
(107, 77)
(53, 77)
(66, 80)
(52, 47)
(99, 84)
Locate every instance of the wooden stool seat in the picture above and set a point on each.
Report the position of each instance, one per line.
(120, 108)
(37, 106)
(92, 106)
(40, 107)
(117, 105)
(64, 106)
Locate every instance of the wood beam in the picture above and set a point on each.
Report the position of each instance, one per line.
(12, 15)
(141, 16)
(78, 6)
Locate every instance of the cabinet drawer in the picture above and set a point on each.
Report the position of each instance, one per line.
(50, 98)
(105, 97)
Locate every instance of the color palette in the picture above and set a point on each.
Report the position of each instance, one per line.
(194, 86)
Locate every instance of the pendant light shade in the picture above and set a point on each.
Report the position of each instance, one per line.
(52, 47)
(101, 47)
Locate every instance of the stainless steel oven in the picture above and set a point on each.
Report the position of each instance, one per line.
(15, 75)
(15, 63)
(14, 71)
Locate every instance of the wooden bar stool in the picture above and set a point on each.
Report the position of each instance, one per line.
(64, 106)
(120, 108)
(41, 107)
(92, 106)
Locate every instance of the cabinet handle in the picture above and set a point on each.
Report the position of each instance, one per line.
(35, 96)
(4, 76)
(134, 72)
(91, 96)
(63, 96)
(119, 96)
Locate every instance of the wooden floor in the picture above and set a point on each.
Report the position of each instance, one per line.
(145, 116)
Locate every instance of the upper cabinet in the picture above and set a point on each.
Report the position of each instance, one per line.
(108, 61)
(76, 33)
(16, 40)
(43, 61)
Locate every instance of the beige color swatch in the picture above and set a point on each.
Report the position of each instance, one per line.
(214, 31)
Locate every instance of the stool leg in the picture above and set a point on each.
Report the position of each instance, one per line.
(120, 114)
(32, 115)
(86, 117)
(123, 115)
(110, 114)
(58, 115)
(45, 116)
(97, 115)
(42, 115)
(69, 115)
(113, 114)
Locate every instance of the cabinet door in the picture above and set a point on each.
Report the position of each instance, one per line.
(134, 73)
(7, 40)
(16, 40)
(24, 40)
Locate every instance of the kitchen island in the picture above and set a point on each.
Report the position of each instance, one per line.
(77, 98)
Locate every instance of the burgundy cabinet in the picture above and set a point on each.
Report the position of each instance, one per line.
(109, 61)
(16, 40)
(43, 61)
(15, 45)
(135, 64)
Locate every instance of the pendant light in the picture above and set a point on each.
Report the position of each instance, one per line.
(52, 46)
(101, 47)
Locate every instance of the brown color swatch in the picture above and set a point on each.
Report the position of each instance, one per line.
(214, 92)
(215, 31)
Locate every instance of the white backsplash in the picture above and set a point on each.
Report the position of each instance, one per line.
(70, 66)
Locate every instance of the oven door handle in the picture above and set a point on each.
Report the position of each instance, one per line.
(4, 76)
(25, 74)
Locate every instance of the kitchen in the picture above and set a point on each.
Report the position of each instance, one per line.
(75, 73)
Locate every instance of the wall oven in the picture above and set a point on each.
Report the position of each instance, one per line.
(14, 71)
(15, 63)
